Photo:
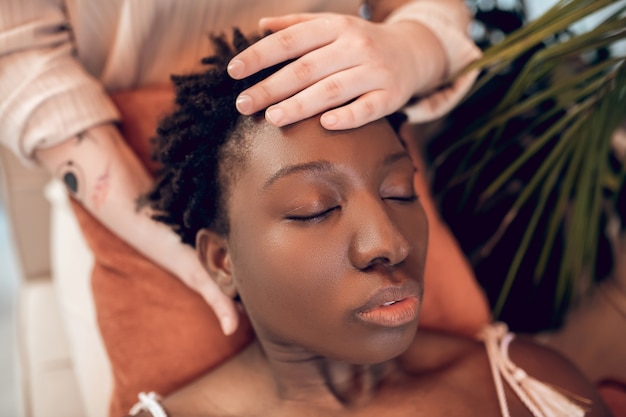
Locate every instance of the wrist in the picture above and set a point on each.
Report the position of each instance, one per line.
(447, 21)
(427, 55)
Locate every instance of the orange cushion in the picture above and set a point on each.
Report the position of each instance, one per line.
(160, 335)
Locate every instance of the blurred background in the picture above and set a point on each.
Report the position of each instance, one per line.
(494, 18)
(10, 394)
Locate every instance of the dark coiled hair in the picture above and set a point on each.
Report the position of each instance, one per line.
(190, 144)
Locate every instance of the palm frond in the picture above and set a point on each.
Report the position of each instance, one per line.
(582, 102)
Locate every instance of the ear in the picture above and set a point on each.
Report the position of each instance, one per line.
(215, 257)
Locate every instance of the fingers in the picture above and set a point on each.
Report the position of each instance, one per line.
(329, 92)
(292, 42)
(291, 79)
(367, 108)
(277, 23)
(338, 59)
(222, 305)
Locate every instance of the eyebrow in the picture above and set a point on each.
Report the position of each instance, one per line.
(324, 166)
(319, 166)
(394, 157)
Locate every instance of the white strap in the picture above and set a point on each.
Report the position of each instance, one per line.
(148, 402)
(541, 399)
(491, 336)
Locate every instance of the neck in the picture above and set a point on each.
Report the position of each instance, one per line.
(304, 377)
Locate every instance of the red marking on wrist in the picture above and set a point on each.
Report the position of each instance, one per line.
(101, 189)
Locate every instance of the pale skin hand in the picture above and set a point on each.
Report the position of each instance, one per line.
(103, 173)
(339, 58)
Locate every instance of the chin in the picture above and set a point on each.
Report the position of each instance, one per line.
(384, 345)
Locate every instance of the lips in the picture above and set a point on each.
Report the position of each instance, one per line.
(392, 306)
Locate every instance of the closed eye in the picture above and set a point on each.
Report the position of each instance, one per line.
(315, 217)
(403, 199)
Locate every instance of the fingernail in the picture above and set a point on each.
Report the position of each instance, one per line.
(243, 103)
(228, 327)
(263, 22)
(275, 115)
(329, 120)
(235, 68)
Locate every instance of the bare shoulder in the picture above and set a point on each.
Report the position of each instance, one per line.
(240, 385)
(546, 365)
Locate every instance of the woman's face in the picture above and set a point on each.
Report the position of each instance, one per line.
(327, 241)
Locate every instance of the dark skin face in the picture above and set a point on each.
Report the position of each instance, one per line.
(320, 224)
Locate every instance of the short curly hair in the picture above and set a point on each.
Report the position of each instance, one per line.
(204, 143)
(200, 146)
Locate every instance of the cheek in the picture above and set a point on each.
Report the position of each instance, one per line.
(414, 226)
(284, 274)
(421, 232)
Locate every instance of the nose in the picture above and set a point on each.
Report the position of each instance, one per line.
(376, 238)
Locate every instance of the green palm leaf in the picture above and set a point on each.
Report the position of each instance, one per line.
(587, 104)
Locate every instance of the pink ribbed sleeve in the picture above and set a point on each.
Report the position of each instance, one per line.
(46, 94)
(448, 20)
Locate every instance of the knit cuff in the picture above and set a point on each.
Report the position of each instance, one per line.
(51, 103)
(449, 25)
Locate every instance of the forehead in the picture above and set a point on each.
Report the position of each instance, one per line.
(271, 148)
